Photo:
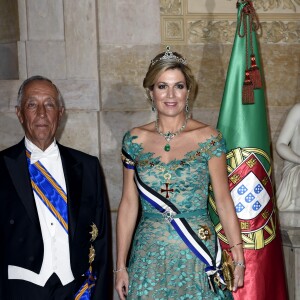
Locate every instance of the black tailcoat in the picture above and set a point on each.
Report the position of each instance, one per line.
(20, 232)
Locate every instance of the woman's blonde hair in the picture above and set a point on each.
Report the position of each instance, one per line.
(160, 64)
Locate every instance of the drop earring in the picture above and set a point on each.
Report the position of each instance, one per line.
(153, 106)
(187, 106)
(187, 103)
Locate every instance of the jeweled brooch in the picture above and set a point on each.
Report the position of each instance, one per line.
(204, 233)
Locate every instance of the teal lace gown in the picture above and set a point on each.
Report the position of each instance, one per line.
(161, 266)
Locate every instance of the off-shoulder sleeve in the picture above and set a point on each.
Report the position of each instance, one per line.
(215, 146)
(128, 155)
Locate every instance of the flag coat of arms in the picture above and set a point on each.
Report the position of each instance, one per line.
(243, 123)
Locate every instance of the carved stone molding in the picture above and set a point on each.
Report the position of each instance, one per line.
(173, 29)
(206, 31)
(281, 32)
(171, 7)
(179, 25)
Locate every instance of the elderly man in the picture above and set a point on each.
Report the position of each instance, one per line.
(53, 217)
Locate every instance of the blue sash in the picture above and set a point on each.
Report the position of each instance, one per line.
(49, 191)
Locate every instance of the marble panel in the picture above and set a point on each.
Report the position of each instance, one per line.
(9, 24)
(129, 22)
(11, 131)
(81, 37)
(45, 20)
(22, 60)
(114, 124)
(22, 20)
(213, 6)
(8, 94)
(79, 130)
(79, 94)
(122, 70)
(9, 61)
(206, 115)
(289, 219)
(209, 64)
(112, 169)
(122, 95)
(282, 73)
(47, 58)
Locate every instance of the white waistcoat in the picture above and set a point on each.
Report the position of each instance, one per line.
(56, 242)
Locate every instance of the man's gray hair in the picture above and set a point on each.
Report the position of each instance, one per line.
(37, 78)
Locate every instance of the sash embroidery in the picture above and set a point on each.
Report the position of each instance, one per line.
(182, 227)
(49, 191)
(127, 160)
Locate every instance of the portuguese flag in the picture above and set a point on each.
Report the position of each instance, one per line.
(243, 123)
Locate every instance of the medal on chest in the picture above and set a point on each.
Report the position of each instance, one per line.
(167, 188)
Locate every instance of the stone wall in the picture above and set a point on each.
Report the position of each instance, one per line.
(9, 36)
(98, 51)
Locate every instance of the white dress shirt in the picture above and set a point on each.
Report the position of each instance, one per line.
(55, 239)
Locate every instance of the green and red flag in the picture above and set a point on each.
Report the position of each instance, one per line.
(243, 123)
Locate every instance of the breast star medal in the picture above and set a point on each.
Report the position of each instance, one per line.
(94, 232)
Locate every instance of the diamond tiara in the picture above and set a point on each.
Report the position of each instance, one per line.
(169, 55)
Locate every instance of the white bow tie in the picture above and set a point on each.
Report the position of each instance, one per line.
(49, 153)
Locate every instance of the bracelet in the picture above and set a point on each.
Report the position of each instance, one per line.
(239, 264)
(119, 270)
(241, 243)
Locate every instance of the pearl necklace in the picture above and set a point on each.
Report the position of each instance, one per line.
(169, 135)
